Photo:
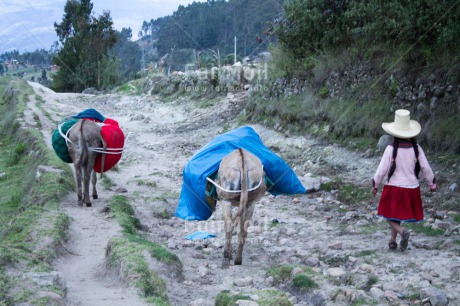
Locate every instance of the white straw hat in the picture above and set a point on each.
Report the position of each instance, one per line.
(402, 127)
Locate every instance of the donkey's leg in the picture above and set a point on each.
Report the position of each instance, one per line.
(243, 234)
(93, 182)
(78, 178)
(86, 179)
(228, 226)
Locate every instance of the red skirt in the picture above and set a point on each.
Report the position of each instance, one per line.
(401, 204)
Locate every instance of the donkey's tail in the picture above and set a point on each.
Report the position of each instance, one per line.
(82, 148)
(244, 189)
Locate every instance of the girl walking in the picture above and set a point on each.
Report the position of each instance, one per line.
(402, 162)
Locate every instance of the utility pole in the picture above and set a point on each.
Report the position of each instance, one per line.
(195, 59)
(234, 61)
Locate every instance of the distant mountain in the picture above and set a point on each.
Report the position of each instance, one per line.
(27, 42)
(28, 28)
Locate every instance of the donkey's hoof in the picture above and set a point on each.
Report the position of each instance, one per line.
(88, 205)
(95, 196)
(225, 263)
(238, 262)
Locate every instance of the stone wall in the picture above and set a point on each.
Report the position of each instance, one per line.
(204, 82)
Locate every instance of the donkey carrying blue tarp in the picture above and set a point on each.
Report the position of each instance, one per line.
(196, 200)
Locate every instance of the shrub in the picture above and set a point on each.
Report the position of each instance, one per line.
(311, 26)
(303, 282)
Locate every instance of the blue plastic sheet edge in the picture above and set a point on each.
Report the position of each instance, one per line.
(200, 236)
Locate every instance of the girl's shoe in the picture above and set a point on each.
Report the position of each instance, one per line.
(404, 240)
(392, 245)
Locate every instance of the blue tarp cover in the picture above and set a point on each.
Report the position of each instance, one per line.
(90, 113)
(200, 236)
(192, 202)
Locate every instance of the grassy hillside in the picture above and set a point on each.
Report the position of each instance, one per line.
(343, 67)
(31, 222)
(345, 96)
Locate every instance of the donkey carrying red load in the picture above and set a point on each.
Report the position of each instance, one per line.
(93, 144)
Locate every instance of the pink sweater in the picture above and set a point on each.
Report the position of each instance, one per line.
(404, 175)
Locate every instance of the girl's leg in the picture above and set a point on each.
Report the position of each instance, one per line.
(393, 234)
(396, 228)
(392, 244)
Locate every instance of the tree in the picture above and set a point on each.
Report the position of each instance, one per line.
(215, 23)
(44, 77)
(85, 41)
(2, 70)
(129, 54)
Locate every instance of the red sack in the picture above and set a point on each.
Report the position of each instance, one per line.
(111, 122)
(115, 140)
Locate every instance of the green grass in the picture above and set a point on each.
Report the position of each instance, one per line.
(419, 228)
(334, 261)
(348, 193)
(106, 182)
(323, 92)
(124, 252)
(128, 251)
(457, 218)
(124, 213)
(303, 282)
(31, 222)
(365, 253)
(128, 88)
(371, 280)
(39, 105)
(224, 298)
(351, 194)
(332, 185)
(5, 286)
(11, 185)
(205, 103)
(141, 182)
(362, 302)
(280, 273)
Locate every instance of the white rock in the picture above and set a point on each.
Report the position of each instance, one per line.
(43, 279)
(243, 282)
(269, 281)
(335, 246)
(335, 272)
(376, 293)
(198, 302)
(203, 271)
(368, 268)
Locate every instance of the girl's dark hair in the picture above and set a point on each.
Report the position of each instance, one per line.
(417, 163)
(396, 142)
(395, 153)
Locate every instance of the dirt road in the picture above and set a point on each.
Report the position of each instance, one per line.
(344, 245)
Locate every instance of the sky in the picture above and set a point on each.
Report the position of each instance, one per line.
(26, 25)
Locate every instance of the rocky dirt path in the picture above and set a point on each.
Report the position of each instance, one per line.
(82, 266)
(342, 244)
